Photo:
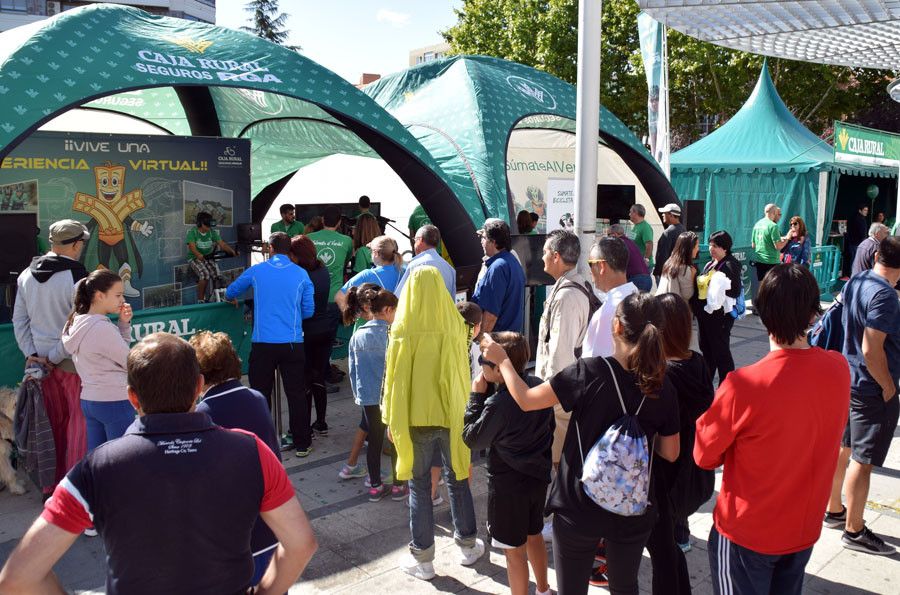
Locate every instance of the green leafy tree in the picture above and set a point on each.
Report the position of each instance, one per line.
(268, 22)
(707, 83)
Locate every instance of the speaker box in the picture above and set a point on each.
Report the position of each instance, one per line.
(695, 215)
(18, 242)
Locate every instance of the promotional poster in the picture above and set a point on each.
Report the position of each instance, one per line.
(138, 196)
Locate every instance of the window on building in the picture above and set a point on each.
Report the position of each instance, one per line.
(14, 5)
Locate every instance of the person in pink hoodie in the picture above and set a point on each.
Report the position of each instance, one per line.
(99, 349)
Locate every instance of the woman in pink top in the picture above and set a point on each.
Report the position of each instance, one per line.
(99, 349)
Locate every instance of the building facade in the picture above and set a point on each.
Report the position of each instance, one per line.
(21, 12)
(428, 53)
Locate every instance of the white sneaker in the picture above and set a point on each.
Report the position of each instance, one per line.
(424, 571)
(92, 532)
(470, 555)
(547, 531)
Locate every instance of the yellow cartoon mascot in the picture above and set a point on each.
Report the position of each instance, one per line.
(111, 217)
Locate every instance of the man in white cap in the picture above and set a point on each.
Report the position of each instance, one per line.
(671, 216)
(43, 302)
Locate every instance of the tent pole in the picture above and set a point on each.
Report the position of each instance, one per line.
(820, 211)
(897, 214)
(587, 125)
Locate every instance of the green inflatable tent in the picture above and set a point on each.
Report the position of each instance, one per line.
(463, 109)
(194, 78)
(762, 155)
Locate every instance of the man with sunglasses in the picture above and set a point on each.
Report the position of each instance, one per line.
(43, 303)
(608, 261)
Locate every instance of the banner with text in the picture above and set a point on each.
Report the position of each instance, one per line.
(866, 146)
(139, 196)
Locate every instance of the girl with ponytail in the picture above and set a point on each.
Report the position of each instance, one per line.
(589, 389)
(99, 349)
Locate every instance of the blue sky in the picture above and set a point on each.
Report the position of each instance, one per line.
(355, 36)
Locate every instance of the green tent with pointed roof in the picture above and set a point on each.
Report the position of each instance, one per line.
(189, 77)
(464, 108)
(762, 155)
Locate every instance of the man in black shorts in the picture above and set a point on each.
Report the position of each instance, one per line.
(872, 347)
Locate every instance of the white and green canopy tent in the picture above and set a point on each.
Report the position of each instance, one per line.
(761, 155)
(466, 111)
(193, 78)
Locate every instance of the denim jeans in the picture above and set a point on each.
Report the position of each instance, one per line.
(106, 420)
(642, 282)
(421, 512)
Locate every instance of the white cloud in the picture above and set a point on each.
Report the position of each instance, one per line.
(396, 19)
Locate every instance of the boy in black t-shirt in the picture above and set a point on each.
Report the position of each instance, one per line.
(518, 465)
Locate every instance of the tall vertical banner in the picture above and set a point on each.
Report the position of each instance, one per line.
(653, 52)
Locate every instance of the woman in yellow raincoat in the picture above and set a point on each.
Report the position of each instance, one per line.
(426, 386)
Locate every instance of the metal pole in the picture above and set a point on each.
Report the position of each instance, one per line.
(587, 125)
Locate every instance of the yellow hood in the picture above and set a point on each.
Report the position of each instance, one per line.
(427, 372)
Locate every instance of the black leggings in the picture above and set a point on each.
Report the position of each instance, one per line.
(288, 359)
(573, 559)
(376, 443)
(714, 337)
(318, 351)
(670, 571)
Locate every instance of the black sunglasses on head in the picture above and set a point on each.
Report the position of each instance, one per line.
(482, 361)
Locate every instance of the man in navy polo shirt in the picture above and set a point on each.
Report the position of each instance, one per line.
(175, 499)
(501, 289)
(871, 320)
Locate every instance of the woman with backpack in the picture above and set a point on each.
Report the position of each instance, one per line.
(590, 496)
(714, 328)
(681, 487)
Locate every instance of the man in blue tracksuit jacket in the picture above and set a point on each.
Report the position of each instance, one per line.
(282, 298)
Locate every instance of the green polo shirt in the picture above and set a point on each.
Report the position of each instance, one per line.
(764, 235)
(294, 229)
(204, 242)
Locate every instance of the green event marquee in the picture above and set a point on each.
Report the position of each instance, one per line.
(762, 155)
(462, 109)
(194, 78)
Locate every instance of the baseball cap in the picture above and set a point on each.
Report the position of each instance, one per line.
(671, 208)
(67, 231)
(491, 223)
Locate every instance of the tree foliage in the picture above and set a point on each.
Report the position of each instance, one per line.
(268, 22)
(707, 83)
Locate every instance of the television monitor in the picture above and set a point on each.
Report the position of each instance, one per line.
(614, 201)
(529, 249)
(248, 233)
(18, 243)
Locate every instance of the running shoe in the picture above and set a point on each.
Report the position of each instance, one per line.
(302, 453)
(348, 472)
(320, 428)
(399, 493)
(287, 441)
(835, 520)
(866, 541)
(686, 546)
(598, 577)
(376, 494)
(470, 555)
(424, 571)
(90, 532)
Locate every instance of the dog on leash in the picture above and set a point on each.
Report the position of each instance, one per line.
(8, 477)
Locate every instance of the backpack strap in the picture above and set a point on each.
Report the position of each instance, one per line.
(565, 285)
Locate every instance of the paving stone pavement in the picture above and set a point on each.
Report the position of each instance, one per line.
(361, 543)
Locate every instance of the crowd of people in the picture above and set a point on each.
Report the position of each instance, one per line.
(606, 448)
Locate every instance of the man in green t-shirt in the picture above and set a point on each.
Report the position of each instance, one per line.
(766, 241)
(201, 242)
(288, 223)
(642, 233)
(333, 248)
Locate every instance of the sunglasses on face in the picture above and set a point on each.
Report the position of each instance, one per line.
(486, 362)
